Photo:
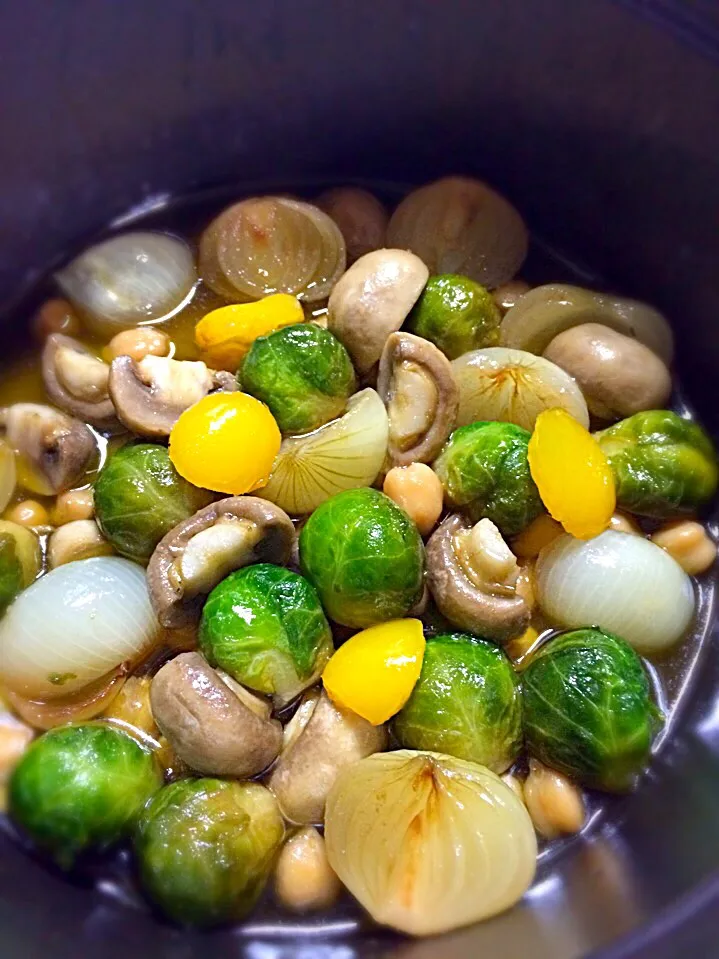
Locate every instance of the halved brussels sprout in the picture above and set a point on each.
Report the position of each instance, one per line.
(302, 372)
(588, 710)
(466, 703)
(484, 470)
(20, 560)
(264, 626)
(663, 464)
(81, 787)
(456, 314)
(365, 556)
(205, 848)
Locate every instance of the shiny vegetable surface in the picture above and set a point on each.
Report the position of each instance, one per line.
(663, 465)
(456, 314)
(466, 703)
(588, 710)
(20, 560)
(365, 556)
(81, 787)
(264, 626)
(205, 849)
(484, 470)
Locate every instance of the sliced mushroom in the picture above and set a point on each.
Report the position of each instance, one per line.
(150, 395)
(417, 385)
(194, 556)
(207, 724)
(55, 449)
(372, 300)
(473, 576)
(77, 381)
(320, 740)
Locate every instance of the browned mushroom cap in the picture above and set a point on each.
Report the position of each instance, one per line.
(206, 722)
(494, 611)
(77, 381)
(417, 385)
(57, 448)
(150, 395)
(320, 740)
(194, 556)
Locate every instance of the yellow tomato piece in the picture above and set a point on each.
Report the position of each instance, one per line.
(374, 672)
(532, 540)
(572, 474)
(227, 443)
(225, 335)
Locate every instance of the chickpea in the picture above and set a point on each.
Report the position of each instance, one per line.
(624, 524)
(15, 737)
(29, 513)
(509, 294)
(553, 801)
(131, 706)
(304, 879)
(73, 505)
(55, 316)
(688, 543)
(417, 489)
(80, 539)
(536, 536)
(138, 343)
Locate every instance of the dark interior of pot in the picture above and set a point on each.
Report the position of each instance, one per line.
(600, 126)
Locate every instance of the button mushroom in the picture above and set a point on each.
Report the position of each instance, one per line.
(55, 450)
(618, 375)
(150, 395)
(77, 381)
(320, 740)
(372, 300)
(473, 576)
(417, 385)
(206, 722)
(194, 556)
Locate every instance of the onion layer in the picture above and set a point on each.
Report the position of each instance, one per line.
(619, 582)
(513, 386)
(427, 842)
(74, 625)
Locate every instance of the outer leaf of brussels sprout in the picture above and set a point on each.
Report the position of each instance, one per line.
(588, 711)
(11, 573)
(302, 372)
(663, 465)
(205, 848)
(466, 703)
(264, 625)
(484, 469)
(365, 556)
(456, 314)
(140, 496)
(81, 787)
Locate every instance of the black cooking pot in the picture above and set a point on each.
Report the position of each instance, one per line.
(598, 120)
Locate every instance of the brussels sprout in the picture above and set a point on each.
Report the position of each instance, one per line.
(81, 787)
(588, 711)
(205, 848)
(466, 703)
(365, 556)
(456, 314)
(264, 625)
(140, 496)
(663, 465)
(20, 560)
(484, 469)
(302, 372)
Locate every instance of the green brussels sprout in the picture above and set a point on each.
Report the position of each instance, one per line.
(588, 710)
(205, 848)
(140, 496)
(302, 372)
(456, 314)
(466, 703)
(264, 625)
(484, 470)
(20, 560)
(663, 465)
(365, 556)
(81, 787)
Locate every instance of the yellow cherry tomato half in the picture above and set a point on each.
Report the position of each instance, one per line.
(225, 335)
(572, 474)
(373, 673)
(227, 443)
